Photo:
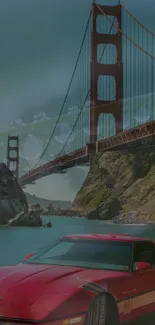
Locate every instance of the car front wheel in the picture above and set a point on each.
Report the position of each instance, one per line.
(102, 311)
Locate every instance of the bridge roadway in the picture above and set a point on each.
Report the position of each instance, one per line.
(79, 157)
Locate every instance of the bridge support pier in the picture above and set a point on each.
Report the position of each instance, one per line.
(115, 70)
(13, 162)
(91, 147)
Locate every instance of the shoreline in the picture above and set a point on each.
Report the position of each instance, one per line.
(65, 213)
(127, 218)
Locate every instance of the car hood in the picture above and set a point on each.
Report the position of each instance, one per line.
(30, 291)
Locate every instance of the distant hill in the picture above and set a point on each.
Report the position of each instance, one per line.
(32, 199)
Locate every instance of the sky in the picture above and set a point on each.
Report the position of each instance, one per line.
(39, 44)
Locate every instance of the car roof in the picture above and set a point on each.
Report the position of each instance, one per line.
(110, 237)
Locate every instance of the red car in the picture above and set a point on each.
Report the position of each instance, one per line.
(81, 279)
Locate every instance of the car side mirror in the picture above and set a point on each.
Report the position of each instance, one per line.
(27, 257)
(142, 266)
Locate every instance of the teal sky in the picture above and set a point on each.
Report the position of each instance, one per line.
(39, 44)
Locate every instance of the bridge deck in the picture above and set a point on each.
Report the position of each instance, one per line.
(81, 156)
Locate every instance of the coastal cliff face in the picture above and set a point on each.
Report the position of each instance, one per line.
(126, 176)
(12, 197)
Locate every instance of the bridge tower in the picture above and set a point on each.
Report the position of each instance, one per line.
(13, 162)
(114, 107)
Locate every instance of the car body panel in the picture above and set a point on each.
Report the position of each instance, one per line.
(143, 293)
(52, 293)
(52, 280)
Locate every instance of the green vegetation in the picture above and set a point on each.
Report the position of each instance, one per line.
(100, 195)
(128, 176)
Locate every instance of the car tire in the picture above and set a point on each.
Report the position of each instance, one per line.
(102, 311)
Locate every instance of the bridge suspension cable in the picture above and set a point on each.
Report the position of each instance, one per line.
(21, 150)
(86, 98)
(125, 35)
(61, 110)
(137, 21)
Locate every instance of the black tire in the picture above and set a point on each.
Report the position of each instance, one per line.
(102, 311)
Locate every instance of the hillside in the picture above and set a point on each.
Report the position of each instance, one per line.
(12, 197)
(127, 176)
(32, 199)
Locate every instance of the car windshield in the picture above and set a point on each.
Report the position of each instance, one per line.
(106, 255)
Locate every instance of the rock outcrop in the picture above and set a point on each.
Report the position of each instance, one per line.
(127, 176)
(30, 219)
(12, 197)
(37, 208)
(106, 210)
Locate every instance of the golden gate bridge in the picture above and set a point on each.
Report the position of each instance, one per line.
(117, 56)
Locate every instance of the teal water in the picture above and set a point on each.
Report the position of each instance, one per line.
(15, 243)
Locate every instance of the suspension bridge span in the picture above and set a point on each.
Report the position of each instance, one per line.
(112, 88)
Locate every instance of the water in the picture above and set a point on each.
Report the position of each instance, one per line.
(18, 242)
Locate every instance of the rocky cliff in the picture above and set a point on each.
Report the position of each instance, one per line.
(12, 197)
(126, 179)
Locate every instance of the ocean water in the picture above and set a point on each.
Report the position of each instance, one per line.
(15, 243)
